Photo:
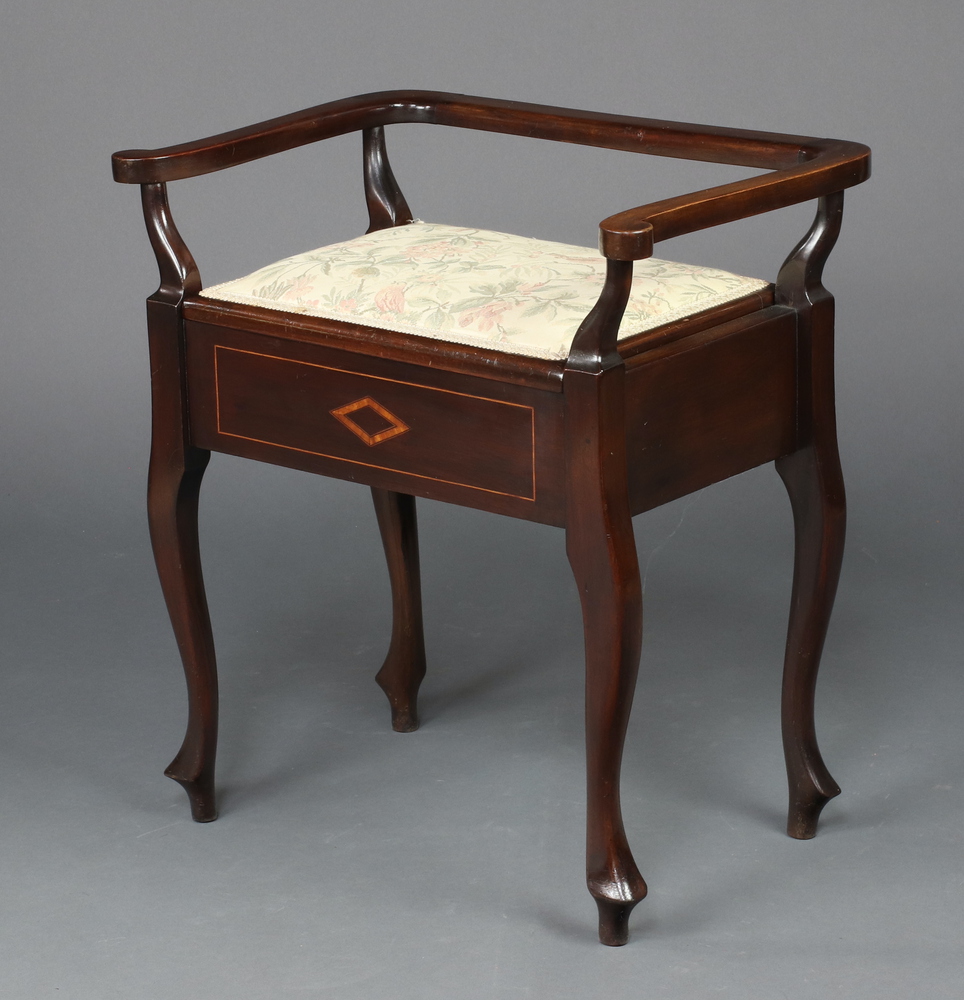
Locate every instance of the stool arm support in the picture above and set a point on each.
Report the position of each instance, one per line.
(799, 283)
(387, 206)
(594, 345)
(178, 270)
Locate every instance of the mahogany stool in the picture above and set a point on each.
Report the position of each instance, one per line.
(532, 379)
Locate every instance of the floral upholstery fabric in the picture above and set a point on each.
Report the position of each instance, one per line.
(473, 286)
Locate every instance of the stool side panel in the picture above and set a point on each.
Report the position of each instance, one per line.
(711, 406)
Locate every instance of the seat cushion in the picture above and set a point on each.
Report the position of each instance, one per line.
(473, 286)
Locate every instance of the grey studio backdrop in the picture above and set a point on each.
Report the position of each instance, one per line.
(356, 863)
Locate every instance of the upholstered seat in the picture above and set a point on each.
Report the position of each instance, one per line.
(474, 286)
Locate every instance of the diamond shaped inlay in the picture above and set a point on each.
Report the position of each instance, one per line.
(395, 427)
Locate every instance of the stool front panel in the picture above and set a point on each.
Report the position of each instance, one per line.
(396, 426)
(711, 406)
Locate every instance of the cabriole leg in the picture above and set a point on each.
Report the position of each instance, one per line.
(814, 483)
(404, 667)
(603, 557)
(174, 480)
(602, 553)
(172, 511)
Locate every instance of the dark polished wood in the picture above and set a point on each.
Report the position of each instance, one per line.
(804, 167)
(174, 479)
(814, 482)
(711, 406)
(681, 140)
(602, 553)
(404, 667)
(583, 444)
(387, 206)
(500, 455)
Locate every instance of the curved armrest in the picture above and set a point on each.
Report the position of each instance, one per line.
(831, 165)
(228, 149)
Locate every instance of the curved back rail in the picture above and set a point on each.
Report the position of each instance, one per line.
(805, 167)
